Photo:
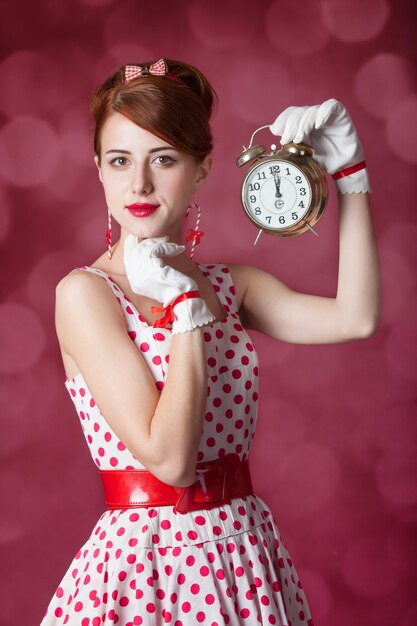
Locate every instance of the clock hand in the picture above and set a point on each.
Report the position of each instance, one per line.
(277, 180)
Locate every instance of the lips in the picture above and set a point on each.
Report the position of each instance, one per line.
(142, 209)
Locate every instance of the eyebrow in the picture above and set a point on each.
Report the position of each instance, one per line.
(150, 151)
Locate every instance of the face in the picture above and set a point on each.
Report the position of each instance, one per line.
(138, 168)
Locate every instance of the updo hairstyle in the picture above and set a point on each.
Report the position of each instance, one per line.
(176, 111)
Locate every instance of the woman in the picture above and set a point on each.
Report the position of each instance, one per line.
(164, 376)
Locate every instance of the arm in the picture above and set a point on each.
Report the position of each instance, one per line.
(162, 430)
(271, 307)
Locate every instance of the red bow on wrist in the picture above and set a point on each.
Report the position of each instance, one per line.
(169, 317)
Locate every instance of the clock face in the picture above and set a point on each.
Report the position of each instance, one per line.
(276, 194)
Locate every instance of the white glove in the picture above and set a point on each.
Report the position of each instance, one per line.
(149, 276)
(328, 128)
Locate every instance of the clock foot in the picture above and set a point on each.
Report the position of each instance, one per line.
(257, 238)
(312, 229)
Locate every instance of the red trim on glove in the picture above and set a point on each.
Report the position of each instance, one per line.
(349, 170)
(168, 318)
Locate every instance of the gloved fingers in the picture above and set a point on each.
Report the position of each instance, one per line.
(277, 128)
(306, 124)
(326, 110)
(292, 124)
(166, 249)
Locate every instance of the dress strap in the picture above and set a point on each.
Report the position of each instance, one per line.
(221, 279)
(126, 304)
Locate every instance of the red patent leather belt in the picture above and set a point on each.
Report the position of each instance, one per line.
(216, 482)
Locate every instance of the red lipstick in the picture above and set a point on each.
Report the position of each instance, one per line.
(142, 209)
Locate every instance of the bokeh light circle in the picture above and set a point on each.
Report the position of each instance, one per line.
(22, 338)
(30, 151)
(5, 216)
(398, 280)
(222, 30)
(308, 477)
(396, 475)
(246, 84)
(21, 71)
(45, 275)
(399, 347)
(379, 95)
(372, 565)
(296, 28)
(355, 20)
(76, 136)
(401, 131)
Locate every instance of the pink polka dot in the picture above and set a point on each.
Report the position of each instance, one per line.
(58, 612)
(114, 461)
(107, 436)
(159, 337)
(78, 607)
(156, 360)
(220, 574)
(191, 534)
(186, 607)
(200, 520)
(195, 588)
(165, 524)
(144, 347)
(204, 570)
(150, 607)
(244, 613)
(201, 616)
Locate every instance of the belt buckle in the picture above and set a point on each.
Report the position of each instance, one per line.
(215, 479)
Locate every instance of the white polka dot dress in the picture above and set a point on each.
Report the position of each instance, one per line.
(155, 566)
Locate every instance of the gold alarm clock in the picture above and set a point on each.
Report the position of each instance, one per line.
(285, 191)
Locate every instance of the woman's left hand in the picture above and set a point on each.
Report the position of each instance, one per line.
(329, 129)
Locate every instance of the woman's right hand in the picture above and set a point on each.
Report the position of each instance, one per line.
(149, 276)
(147, 273)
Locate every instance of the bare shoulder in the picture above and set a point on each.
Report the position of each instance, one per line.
(84, 298)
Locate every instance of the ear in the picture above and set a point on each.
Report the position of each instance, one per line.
(97, 162)
(204, 169)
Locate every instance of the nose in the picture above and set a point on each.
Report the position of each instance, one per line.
(142, 182)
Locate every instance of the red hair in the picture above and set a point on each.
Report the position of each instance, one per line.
(176, 111)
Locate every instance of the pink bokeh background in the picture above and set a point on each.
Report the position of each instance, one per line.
(335, 453)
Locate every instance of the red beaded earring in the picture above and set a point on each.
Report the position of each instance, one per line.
(194, 234)
(108, 235)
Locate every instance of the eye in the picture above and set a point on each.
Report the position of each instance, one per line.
(164, 159)
(119, 161)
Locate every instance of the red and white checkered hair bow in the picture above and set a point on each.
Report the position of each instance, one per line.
(136, 71)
